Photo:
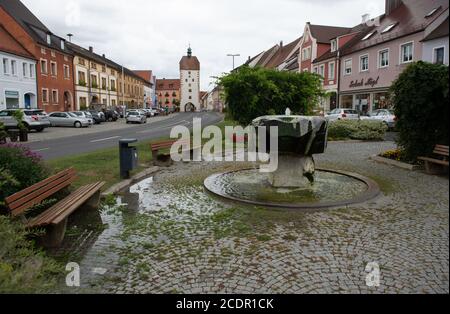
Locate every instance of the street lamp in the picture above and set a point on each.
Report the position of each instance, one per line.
(233, 56)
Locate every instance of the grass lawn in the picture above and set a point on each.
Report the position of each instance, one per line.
(103, 165)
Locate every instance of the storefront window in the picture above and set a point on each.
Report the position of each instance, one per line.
(347, 101)
(362, 103)
(381, 101)
(12, 100)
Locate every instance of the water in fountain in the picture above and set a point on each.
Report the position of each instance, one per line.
(296, 183)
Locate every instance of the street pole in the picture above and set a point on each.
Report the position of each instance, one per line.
(233, 56)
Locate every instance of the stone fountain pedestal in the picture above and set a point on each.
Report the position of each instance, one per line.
(299, 138)
(293, 172)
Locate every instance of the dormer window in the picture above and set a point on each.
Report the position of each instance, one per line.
(431, 13)
(368, 36)
(333, 45)
(388, 28)
(49, 39)
(62, 44)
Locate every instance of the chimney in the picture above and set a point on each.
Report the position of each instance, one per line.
(91, 49)
(103, 55)
(365, 18)
(391, 5)
(281, 44)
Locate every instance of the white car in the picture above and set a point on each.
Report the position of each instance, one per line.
(342, 114)
(384, 115)
(136, 117)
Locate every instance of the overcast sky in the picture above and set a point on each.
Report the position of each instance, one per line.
(155, 34)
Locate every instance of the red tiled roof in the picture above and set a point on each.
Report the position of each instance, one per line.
(169, 84)
(145, 74)
(10, 45)
(281, 54)
(189, 63)
(267, 55)
(323, 34)
(410, 18)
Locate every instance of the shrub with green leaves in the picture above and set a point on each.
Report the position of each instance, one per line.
(19, 169)
(357, 130)
(3, 134)
(420, 98)
(23, 268)
(254, 92)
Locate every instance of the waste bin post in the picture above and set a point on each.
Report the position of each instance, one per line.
(128, 157)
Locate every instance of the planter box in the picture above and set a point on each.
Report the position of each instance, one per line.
(396, 163)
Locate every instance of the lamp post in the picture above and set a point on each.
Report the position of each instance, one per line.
(233, 56)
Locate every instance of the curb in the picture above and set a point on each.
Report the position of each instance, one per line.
(127, 183)
(396, 163)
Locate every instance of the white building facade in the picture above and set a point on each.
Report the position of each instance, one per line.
(190, 83)
(18, 87)
(436, 41)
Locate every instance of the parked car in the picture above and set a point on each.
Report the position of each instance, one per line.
(33, 119)
(386, 116)
(68, 119)
(84, 114)
(148, 113)
(136, 117)
(97, 116)
(111, 115)
(342, 114)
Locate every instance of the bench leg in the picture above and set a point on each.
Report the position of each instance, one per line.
(54, 235)
(434, 169)
(94, 201)
(155, 156)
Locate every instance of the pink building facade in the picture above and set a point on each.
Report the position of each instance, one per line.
(374, 59)
(367, 75)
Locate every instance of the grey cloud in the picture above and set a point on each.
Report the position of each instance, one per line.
(154, 34)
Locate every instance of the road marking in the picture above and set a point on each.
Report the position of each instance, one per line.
(105, 139)
(40, 150)
(181, 123)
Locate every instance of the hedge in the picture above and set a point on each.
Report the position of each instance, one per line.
(357, 130)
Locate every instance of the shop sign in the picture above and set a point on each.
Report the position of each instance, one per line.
(361, 83)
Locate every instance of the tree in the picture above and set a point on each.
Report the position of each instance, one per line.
(253, 92)
(420, 98)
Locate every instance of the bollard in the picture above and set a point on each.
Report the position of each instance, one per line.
(128, 157)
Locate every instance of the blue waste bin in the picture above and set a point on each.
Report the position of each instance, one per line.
(128, 157)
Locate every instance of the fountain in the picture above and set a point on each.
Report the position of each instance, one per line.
(297, 183)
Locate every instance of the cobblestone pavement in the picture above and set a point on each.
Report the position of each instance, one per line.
(171, 237)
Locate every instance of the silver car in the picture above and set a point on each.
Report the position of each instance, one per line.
(68, 119)
(384, 115)
(84, 114)
(136, 117)
(33, 119)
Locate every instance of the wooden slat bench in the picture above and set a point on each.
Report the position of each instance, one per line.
(54, 219)
(159, 160)
(442, 152)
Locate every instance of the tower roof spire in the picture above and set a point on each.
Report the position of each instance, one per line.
(189, 51)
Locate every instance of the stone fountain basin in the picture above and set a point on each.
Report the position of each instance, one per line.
(242, 186)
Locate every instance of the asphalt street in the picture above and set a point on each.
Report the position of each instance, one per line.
(79, 144)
